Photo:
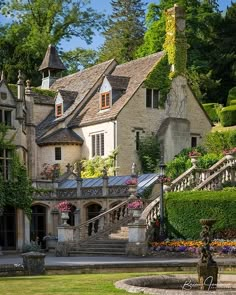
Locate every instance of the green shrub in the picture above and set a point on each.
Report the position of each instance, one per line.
(207, 160)
(185, 209)
(228, 116)
(181, 162)
(231, 95)
(216, 142)
(212, 111)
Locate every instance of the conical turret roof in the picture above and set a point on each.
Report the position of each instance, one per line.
(52, 60)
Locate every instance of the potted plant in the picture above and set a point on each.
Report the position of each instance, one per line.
(51, 241)
(64, 207)
(230, 153)
(194, 155)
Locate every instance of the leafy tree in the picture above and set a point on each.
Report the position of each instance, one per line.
(149, 153)
(203, 20)
(79, 58)
(35, 24)
(16, 191)
(94, 167)
(125, 30)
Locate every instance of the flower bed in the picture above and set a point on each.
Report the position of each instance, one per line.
(194, 247)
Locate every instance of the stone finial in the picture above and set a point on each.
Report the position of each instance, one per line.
(133, 169)
(28, 84)
(20, 78)
(77, 169)
(68, 167)
(104, 172)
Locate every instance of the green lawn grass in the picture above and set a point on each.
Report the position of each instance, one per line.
(81, 284)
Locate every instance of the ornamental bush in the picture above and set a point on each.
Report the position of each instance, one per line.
(216, 142)
(185, 209)
(231, 95)
(228, 116)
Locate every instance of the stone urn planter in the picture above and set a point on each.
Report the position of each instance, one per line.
(65, 217)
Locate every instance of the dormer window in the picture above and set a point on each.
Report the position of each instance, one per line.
(105, 100)
(59, 110)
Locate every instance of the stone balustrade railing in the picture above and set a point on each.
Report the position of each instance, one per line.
(215, 181)
(103, 224)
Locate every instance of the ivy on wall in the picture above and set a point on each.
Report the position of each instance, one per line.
(172, 64)
(159, 79)
(17, 191)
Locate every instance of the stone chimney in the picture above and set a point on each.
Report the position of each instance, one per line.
(20, 98)
(175, 43)
(50, 67)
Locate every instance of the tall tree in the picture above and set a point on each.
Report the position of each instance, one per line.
(37, 23)
(203, 19)
(125, 30)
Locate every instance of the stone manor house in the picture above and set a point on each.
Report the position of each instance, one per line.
(92, 112)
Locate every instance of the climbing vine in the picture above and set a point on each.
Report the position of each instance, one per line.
(176, 47)
(172, 64)
(16, 191)
(159, 79)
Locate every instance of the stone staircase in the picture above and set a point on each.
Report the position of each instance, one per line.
(101, 247)
(111, 237)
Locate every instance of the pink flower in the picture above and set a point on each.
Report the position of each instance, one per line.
(230, 151)
(164, 179)
(136, 205)
(194, 154)
(64, 206)
(132, 181)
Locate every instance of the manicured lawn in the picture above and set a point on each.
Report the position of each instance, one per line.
(81, 284)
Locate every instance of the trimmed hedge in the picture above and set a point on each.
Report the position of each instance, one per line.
(233, 102)
(231, 95)
(211, 110)
(228, 116)
(185, 209)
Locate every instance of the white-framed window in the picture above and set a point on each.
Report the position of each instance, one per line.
(105, 100)
(98, 144)
(5, 163)
(152, 98)
(5, 117)
(58, 153)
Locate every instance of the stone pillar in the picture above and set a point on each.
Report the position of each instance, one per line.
(137, 245)
(79, 186)
(65, 233)
(77, 216)
(27, 230)
(20, 228)
(55, 221)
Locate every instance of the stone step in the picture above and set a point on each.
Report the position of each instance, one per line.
(105, 253)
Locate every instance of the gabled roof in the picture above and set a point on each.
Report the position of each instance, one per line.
(80, 83)
(68, 98)
(118, 82)
(61, 136)
(51, 60)
(137, 72)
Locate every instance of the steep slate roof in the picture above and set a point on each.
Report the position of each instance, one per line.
(73, 89)
(51, 60)
(137, 71)
(82, 82)
(61, 136)
(68, 98)
(118, 82)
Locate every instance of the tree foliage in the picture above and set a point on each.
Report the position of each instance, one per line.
(38, 23)
(149, 153)
(209, 57)
(125, 30)
(79, 58)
